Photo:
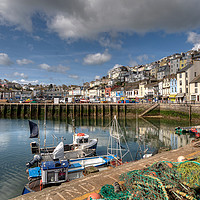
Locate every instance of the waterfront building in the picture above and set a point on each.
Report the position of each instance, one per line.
(160, 89)
(163, 71)
(150, 91)
(132, 91)
(166, 88)
(154, 69)
(184, 77)
(175, 63)
(195, 89)
(173, 88)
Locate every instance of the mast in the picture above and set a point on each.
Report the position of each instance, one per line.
(114, 145)
(45, 124)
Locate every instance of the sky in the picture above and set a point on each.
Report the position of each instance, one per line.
(75, 41)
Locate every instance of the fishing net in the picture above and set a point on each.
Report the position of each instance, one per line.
(162, 180)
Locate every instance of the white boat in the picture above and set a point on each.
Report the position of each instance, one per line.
(82, 145)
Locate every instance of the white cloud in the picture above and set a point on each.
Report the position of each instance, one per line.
(97, 59)
(20, 75)
(58, 69)
(87, 19)
(142, 58)
(194, 38)
(22, 81)
(24, 62)
(73, 76)
(97, 77)
(5, 60)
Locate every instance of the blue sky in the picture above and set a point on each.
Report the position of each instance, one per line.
(71, 42)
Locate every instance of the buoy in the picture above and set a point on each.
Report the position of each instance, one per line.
(180, 158)
(81, 134)
(94, 196)
(170, 165)
(41, 185)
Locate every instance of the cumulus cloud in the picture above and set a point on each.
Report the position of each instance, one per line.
(20, 75)
(194, 38)
(142, 58)
(97, 59)
(24, 62)
(5, 60)
(73, 76)
(58, 69)
(87, 19)
(22, 81)
(97, 77)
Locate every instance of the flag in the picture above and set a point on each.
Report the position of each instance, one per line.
(34, 131)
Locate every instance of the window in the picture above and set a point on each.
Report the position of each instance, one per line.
(180, 75)
(180, 82)
(186, 90)
(195, 74)
(172, 89)
(175, 89)
(186, 82)
(196, 90)
(196, 85)
(180, 90)
(186, 74)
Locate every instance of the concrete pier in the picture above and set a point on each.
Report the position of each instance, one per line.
(81, 188)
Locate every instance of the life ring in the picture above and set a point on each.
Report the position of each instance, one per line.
(41, 185)
(81, 134)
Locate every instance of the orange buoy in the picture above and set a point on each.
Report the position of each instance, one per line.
(180, 158)
(41, 185)
(94, 196)
(170, 165)
(81, 134)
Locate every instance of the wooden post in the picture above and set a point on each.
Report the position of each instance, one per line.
(88, 110)
(67, 110)
(73, 110)
(59, 111)
(110, 110)
(37, 112)
(80, 110)
(190, 113)
(124, 109)
(17, 110)
(117, 110)
(10, 110)
(30, 110)
(23, 110)
(95, 111)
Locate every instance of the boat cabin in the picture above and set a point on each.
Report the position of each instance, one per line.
(81, 138)
(54, 172)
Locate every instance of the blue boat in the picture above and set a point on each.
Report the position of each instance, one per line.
(57, 172)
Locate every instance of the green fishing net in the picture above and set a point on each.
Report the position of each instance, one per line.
(162, 180)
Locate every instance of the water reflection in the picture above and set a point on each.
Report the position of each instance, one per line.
(141, 134)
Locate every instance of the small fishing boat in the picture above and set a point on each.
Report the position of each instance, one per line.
(48, 174)
(56, 172)
(192, 130)
(82, 145)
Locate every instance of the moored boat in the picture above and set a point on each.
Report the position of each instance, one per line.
(57, 172)
(82, 145)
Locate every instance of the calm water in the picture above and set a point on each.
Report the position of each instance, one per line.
(15, 149)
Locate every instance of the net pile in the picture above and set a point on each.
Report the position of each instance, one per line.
(162, 180)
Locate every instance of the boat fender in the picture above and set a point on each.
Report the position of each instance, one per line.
(41, 185)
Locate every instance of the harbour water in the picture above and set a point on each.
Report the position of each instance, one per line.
(15, 149)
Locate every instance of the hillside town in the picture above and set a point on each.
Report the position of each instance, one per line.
(172, 79)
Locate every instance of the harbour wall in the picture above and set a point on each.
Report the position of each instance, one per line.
(28, 110)
(99, 110)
